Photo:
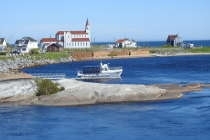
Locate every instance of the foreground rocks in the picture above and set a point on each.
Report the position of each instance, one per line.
(80, 93)
(17, 90)
(22, 92)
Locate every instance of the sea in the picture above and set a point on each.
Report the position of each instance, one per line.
(187, 118)
(197, 43)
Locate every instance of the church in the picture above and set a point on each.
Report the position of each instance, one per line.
(70, 39)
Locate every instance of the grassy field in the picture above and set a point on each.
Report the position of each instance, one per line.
(3, 57)
(166, 50)
(51, 55)
(200, 50)
(48, 55)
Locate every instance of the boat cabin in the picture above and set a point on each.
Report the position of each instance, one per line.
(91, 69)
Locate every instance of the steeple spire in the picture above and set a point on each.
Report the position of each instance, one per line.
(87, 26)
(87, 23)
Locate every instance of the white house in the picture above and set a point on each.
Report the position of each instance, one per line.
(125, 43)
(26, 44)
(3, 44)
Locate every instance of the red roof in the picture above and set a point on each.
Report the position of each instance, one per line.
(121, 40)
(78, 32)
(48, 40)
(80, 40)
(72, 32)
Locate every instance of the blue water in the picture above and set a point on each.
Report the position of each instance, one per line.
(160, 43)
(153, 70)
(187, 118)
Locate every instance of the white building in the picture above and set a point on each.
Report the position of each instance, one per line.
(26, 44)
(75, 39)
(3, 44)
(125, 43)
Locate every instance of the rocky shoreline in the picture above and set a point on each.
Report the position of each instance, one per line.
(17, 63)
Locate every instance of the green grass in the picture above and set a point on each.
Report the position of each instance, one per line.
(47, 87)
(200, 50)
(39, 56)
(169, 50)
(169, 47)
(4, 57)
(67, 52)
(48, 55)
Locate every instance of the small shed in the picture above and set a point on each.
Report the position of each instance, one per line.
(174, 40)
(54, 47)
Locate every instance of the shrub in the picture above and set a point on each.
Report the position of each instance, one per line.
(34, 51)
(47, 87)
(3, 53)
(152, 51)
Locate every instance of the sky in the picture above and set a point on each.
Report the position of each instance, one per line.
(143, 20)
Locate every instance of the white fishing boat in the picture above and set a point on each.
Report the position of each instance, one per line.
(100, 72)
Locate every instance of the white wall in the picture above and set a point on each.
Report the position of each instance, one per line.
(31, 45)
(69, 44)
(3, 46)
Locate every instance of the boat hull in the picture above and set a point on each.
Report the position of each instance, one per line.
(115, 74)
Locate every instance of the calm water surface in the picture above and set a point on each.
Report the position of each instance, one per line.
(159, 43)
(185, 118)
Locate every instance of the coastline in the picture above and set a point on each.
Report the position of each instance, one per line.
(83, 93)
(141, 56)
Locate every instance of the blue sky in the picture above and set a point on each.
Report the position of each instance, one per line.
(110, 19)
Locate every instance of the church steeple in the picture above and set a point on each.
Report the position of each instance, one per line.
(87, 26)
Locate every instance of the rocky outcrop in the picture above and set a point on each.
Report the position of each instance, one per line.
(17, 90)
(82, 93)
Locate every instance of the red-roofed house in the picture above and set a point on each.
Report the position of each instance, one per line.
(48, 40)
(125, 43)
(44, 42)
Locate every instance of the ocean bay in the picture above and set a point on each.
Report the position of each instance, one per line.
(153, 84)
(184, 118)
(144, 70)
